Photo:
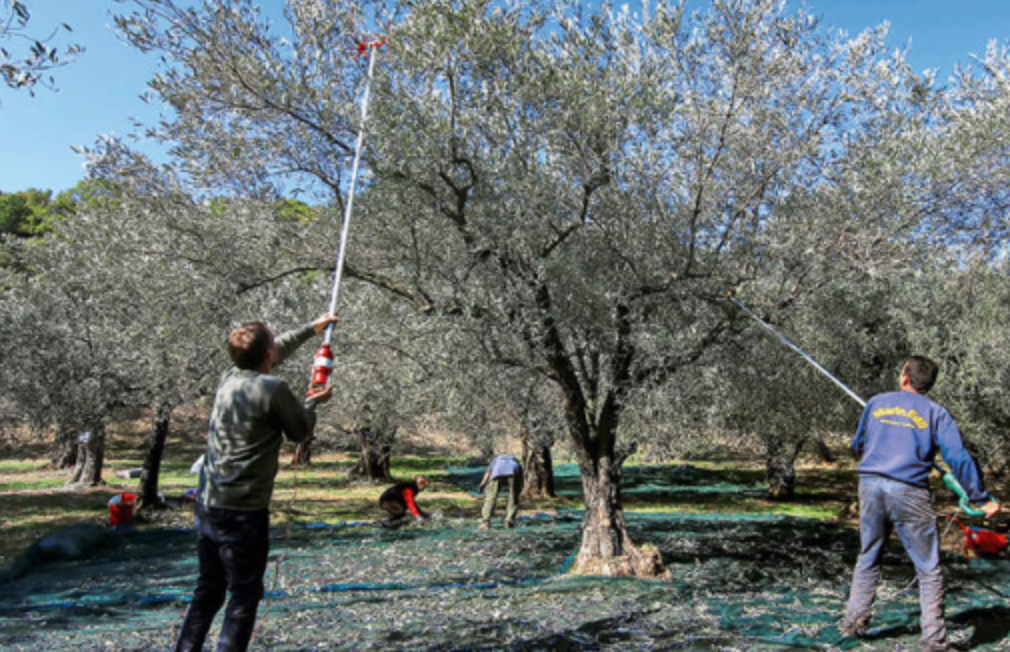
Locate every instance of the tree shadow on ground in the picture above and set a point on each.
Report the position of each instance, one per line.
(991, 625)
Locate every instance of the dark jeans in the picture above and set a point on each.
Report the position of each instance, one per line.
(232, 546)
(885, 506)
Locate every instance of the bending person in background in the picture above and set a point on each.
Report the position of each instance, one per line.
(898, 437)
(253, 412)
(400, 499)
(504, 470)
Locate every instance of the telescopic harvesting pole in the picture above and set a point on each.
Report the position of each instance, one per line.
(371, 50)
(771, 329)
(322, 365)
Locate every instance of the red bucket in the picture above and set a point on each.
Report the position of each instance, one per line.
(121, 509)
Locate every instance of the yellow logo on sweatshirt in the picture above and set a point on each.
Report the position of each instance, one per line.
(911, 415)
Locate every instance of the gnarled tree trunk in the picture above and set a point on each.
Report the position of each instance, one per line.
(538, 467)
(592, 420)
(90, 457)
(538, 471)
(606, 547)
(781, 453)
(64, 455)
(150, 477)
(376, 451)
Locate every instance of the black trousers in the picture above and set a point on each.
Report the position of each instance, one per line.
(232, 545)
(396, 509)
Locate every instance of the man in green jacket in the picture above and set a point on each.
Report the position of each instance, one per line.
(253, 412)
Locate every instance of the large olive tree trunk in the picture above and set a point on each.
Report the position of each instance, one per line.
(64, 454)
(373, 465)
(376, 430)
(90, 457)
(592, 424)
(606, 548)
(538, 468)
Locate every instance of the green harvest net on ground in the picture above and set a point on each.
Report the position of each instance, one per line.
(654, 482)
(739, 582)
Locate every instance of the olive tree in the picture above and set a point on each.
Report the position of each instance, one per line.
(957, 315)
(584, 197)
(385, 375)
(956, 305)
(770, 395)
(72, 367)
(496, 408)
(127, 303)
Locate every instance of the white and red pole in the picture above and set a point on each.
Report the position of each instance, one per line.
(323, 364)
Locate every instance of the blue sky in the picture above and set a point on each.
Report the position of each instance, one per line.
(100, 93)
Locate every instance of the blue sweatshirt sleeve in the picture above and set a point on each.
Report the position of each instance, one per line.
(960, 461)
(859, 440)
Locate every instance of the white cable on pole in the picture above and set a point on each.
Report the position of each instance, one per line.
(372, 50)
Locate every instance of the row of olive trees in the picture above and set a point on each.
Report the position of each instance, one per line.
(114, 309)
(124, 301)
(571, 191)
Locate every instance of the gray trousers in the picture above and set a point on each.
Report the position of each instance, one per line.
(513, 484)
(884, 506)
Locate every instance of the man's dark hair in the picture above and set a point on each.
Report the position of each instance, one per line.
(249, 343)
(921, 373)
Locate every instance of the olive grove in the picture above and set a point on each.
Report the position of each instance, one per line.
(556, 201)
(570, 190)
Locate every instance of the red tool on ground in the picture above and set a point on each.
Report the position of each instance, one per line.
(980, 542)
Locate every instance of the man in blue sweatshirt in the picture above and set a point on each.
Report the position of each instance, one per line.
(898, 437)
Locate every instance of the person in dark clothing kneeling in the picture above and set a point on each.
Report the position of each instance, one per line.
(399, 499)
(898, 437)
(253, 412)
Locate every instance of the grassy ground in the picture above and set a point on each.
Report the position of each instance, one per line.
(34, 500)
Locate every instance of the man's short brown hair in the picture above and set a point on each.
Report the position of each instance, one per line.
(249, 343)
